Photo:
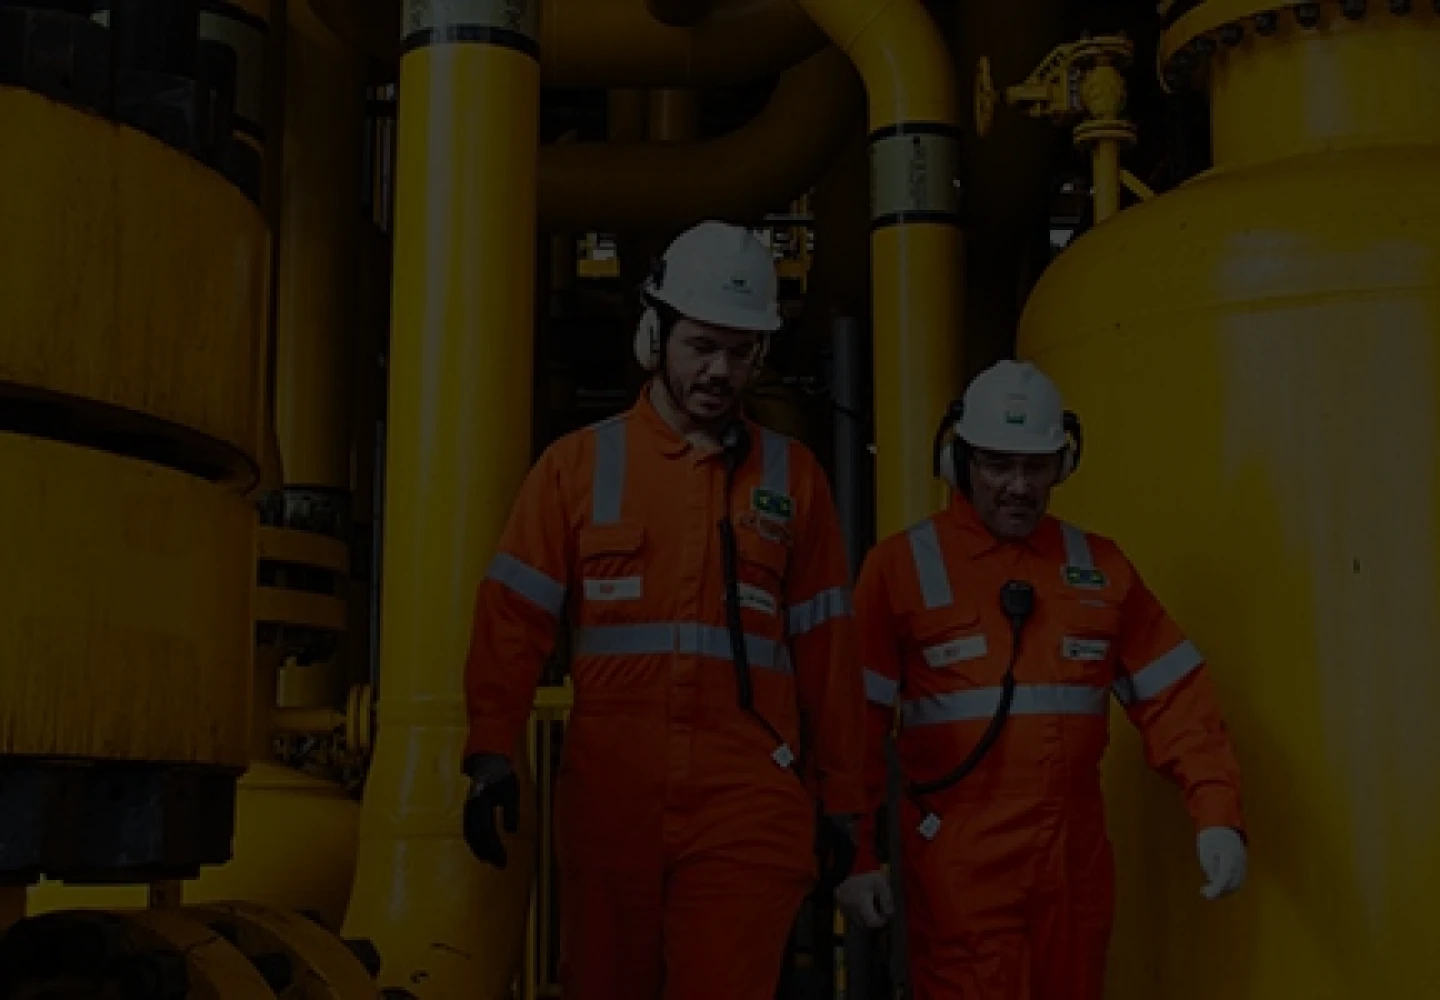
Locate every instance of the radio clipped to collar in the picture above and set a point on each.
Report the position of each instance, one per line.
(951, 453)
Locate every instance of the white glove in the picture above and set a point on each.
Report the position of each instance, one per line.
(866, 899)
(1223, 858)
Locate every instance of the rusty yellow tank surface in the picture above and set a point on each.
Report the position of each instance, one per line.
(126, 586)
(1255, 358)
(105, 308)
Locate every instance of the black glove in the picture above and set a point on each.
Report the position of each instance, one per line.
(492, 786)
(834, 850)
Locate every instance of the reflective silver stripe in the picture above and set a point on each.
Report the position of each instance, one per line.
(879, 688)
(930, 565)
(659, 638)
(1157, 675)
(980, 704)
(776, 454)
(607, 490)
(527, 581)
(1077, 547)
(811, 614)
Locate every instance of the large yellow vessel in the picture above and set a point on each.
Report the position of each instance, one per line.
(1256, 355)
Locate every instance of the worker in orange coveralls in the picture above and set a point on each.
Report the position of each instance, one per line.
(996, 634)
(714, 757)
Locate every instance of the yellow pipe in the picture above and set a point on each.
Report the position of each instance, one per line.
(769, 160)
(627, 112)
(1105, 179)
(674, 115)
(306, 720)
(617, 43)
(915, 237)
(446, 925)
(319, 234)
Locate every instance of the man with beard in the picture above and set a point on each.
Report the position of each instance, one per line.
(996, 633)
(716, 741)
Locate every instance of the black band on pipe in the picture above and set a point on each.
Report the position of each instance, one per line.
(915, 128)
(908, 218)
(475, 34)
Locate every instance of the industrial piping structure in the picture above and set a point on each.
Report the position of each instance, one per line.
(182, 719)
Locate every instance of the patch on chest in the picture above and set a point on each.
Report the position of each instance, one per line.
(620, 588)
(967, 647)
(771, 503)
(757, 599)
(1085, 650)
(1085, 577)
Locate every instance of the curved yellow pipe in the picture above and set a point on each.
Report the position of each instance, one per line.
(619, 43)
(458, 447)
(674, 115)
(655, 185)
(915, 237)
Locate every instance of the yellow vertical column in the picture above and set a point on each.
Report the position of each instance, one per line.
(317, 307)
(915, 237)
(458, 447)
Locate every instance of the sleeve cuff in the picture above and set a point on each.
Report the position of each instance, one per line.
(486, 737)
(1217, 806)
(865, 859)
(842, 795)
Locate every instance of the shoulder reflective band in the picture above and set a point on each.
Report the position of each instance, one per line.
(511, 24)
(775, 449)
(244, 34)
(1077, 547)
(1080, 569)
(930, 565)
(914, 167)
(607, 488)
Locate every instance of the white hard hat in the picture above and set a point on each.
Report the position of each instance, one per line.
(714, 272)
(1014, 408)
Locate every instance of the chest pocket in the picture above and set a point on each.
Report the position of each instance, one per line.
(953, 648)
(611, 561)
(1088, 632)
(761, 565)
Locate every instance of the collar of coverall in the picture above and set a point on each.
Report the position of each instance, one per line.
(670, 442)
(1046, 540)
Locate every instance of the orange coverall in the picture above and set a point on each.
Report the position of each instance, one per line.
(1013, 896)
(684, 848)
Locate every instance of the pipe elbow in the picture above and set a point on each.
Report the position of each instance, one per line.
(899, 53)
(773, 158)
